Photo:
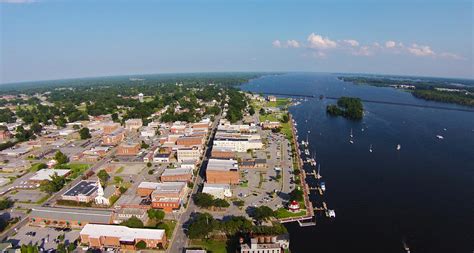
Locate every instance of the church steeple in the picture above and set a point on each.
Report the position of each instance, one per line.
(100, 190)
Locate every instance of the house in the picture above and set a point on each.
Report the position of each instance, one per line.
(128, 149)
(220, 171)
(177, 175)
(112, 236)
(133, 124)
(218, 191)
(68, 217)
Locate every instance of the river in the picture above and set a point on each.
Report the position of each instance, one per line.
(422, 194)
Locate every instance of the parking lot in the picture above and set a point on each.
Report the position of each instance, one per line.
(46, 238)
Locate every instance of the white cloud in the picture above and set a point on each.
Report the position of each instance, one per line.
(18, 1)
(363, 51)
(390, 44)
(352, 43)
(293, 44)
(451, 56)
(276, 43)
(420, 50)
(318, 42)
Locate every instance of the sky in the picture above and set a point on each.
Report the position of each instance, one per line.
(53, 39)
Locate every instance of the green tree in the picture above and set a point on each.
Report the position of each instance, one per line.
(54, 185)
(201, 226)
(252, 110)
(262, 213)
(156, 214)
(5, 203)
(118, 180)
(141, 245)
(296, 194)
(61, 158)
(204, 200)
(85, 133)
(133, 222)
(103, 176)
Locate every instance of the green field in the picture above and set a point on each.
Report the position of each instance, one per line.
(282, 213)
(281, 102)
(212, 246)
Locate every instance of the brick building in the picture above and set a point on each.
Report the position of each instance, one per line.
(128, 149)
(177, 175)
(220, 171)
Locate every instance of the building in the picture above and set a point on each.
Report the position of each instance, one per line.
(237, 144)
(46, 174)
(14, 166)
(177, 175)
(110, 127)
(272, 98)
(112, 236)
(128, 149)
(266, 244)
(188, 154)
(5, 135)
(126, 213)
(162, 158)
(114, 138)
(16, 151)
(148, 132)
(224, 153)
(221, 171)
(104, 196)
(85, 191)
(68, 217)
(133, 124)
(254, 164)
(218, 191)
(168, 195)
(190, 141)
(270, 124)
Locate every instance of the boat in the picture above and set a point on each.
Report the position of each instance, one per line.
(370, 148)
(351, 141)
(323, 186)
(351, 135)
(306, 152)
(362, 129)
(439, 137)
(405, 246)
(399, 147)
(318, 176)
(331, 213)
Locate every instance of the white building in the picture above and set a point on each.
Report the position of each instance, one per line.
(218, 191)
(238, 144)
(189, 154)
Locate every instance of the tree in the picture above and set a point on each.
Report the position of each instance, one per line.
(220, 203)
(144, 145)
(251, 110)
(56, 184)
(156, 214)
(262, 111)
(5, 203)
(296, 194)
(263, 213)
(103, 176)
(140, 245)
(204, 200)
(133, 222)
(201, 226)
(115, 117)
(148, 164)
(36, 128)
(61, 158)
(118, 180)
(85, 133)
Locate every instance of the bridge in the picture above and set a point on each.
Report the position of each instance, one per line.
(372, 101)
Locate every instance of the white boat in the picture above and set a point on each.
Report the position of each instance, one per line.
(323, 186)
(370, 148)
(399, 147)
(306, 152)
(331, 213)
(351, 141)
(352, 136)
(319, 172)
(439, 137)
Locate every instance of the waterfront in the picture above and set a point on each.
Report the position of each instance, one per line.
(422, 194)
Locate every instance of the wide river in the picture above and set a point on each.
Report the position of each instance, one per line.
(422, 194)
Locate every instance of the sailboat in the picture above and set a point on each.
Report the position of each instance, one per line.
(318, 176)
(399, 146)
(370, 148)
(351, 134)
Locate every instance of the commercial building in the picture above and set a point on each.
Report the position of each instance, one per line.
(237, 144)
(162, 157)
(133, 124)
(225, 153)
(68, 217)
(165, 195)
(111, 236)
(218, 191)
(254, 164)
(110, 127)
(114, 138)
(189, 141)
(266, 244)
(126, 213)
(270, 124)
(186, 154)
(177, 175)
(128, 149)
(220, 171)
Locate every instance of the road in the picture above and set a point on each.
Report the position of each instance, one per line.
(180, 240)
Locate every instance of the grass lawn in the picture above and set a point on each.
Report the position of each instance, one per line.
(269, 117)
(77, 169)
(281, 102)
(282, 213)
(213, 246)
(35, 167)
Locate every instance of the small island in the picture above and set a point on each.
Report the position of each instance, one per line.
(348, 107)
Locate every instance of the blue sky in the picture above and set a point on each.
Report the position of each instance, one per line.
(52, 39)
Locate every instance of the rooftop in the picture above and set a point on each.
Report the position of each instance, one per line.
(45, 174)
(93, 216)
(85, 188)
(122, 232)
(178, 171)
